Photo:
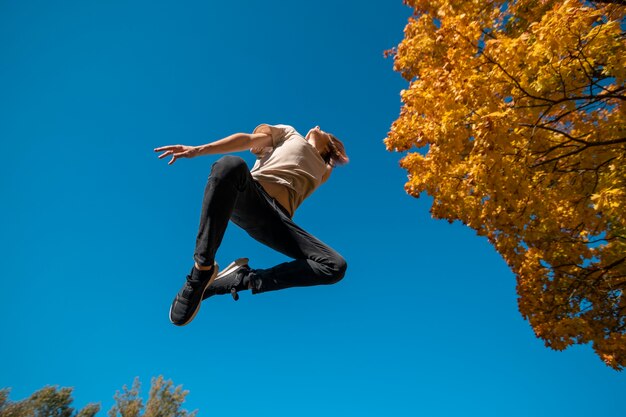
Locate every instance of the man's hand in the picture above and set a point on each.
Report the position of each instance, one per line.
(177, 151)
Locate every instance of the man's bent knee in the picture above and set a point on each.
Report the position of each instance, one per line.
(228, 166)
(337, 269)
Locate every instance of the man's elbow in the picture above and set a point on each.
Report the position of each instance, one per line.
(260, 140)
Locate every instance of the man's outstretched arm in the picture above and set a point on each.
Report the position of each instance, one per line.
(233, 143)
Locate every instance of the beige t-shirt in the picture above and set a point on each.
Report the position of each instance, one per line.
(292, 162)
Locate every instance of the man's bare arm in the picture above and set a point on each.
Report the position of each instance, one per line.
(233, 143)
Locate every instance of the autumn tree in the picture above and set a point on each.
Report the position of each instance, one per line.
(47, 402)
(514, 122)
(164, 401)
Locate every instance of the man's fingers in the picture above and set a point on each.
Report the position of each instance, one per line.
(171, 150)
(166, 148)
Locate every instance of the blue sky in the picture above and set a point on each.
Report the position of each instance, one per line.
(98, 234)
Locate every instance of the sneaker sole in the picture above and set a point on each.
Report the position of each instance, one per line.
(209, 282)
(238, 263)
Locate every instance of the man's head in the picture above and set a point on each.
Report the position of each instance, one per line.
(330, 148)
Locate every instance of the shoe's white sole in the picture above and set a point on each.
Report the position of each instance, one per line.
(209, 282)
(233, 265)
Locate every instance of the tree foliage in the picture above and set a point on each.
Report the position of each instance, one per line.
(164, 401)
(514, 122)
(47, 402)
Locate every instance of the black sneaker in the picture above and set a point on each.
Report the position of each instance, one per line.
(186, 304)
(230, 280)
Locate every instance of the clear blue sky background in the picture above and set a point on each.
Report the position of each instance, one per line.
(98, 234)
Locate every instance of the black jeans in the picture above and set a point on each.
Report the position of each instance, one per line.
(232, 194)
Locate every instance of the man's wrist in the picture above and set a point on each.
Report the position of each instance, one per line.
(197, 150)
